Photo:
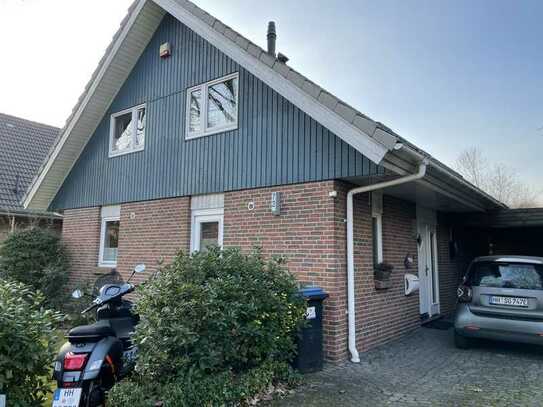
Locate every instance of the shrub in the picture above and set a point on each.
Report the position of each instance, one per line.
(198, 389)
(212, 324)
(27, 344)
(36, 258)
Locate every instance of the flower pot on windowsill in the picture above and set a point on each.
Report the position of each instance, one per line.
(381, 275)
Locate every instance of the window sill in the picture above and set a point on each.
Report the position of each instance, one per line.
(210, 133)
(107, 265)
(137, 150)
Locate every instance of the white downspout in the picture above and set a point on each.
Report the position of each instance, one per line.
(350, 247)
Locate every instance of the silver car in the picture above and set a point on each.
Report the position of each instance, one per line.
(501, 298)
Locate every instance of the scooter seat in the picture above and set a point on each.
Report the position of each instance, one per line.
(91, 332)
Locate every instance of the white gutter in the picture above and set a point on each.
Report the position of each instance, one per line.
(350, 247)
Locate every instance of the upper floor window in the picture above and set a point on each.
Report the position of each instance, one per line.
(212, 107)
(127, 131)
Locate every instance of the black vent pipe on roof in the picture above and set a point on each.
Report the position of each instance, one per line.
(272, 36)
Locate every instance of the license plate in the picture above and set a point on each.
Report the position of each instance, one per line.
(129, 356)
(512, 301)
(66, 397)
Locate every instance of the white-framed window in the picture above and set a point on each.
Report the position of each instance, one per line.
(109, 236)
(206, 229)
(212, 107)
(206, 221)
(377, 226)
(127, 131)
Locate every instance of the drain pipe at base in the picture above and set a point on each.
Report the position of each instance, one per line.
(350, 247)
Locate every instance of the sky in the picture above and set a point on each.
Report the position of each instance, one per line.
(446, 75)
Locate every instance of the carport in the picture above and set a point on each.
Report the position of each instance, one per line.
(502, 232)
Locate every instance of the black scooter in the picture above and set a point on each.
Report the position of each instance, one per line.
(97, 356)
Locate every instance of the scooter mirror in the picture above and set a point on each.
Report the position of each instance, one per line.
(140, 268)
(77, 294)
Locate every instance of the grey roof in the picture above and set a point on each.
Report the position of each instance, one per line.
(374, 129)
(380, 134)
(24, 145)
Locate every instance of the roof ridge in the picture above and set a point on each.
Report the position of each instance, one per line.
(29, 121)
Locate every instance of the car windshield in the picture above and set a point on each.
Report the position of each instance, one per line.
(507, 275)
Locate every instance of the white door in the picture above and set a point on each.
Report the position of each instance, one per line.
(428, 272)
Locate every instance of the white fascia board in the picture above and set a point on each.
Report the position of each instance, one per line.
(362, 142)
(75, 118)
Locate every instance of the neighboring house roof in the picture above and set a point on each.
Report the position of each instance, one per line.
(374, 140)
(24, 146)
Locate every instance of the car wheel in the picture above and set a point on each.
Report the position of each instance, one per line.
(461, 342)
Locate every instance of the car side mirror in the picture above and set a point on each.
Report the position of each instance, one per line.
(140, 268)
(77, 294)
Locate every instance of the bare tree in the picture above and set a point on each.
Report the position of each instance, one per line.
(473, 166)
(498, 180)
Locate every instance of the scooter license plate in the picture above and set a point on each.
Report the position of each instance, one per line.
(66, 397)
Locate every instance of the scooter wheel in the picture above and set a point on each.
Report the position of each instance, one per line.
(96, 396)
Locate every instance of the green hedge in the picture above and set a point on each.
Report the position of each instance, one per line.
(36, 257)
(217, 327)
(27, 344)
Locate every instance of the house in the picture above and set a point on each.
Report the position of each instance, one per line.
(190, 134)
(24, 146)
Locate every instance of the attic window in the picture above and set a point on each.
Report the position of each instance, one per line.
(212, 107)
(127, 131)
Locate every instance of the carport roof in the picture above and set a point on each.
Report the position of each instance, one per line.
(505, 218)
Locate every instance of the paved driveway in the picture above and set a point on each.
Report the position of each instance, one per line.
(424, 368)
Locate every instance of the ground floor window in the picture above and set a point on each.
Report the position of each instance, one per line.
(377, 226)
(109, 236)
(207, 222)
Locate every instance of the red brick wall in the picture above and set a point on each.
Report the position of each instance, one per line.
(308, 234)
(156, 229)
(451, 270)
(152, 231)
(448, 272)
(81, 236)
(383, 315)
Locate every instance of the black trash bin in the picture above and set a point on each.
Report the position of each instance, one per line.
(309, 357)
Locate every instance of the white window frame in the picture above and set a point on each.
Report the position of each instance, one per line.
(132, 149)
(109, 214)
(379, 238)
(203, 116)
(377, 214)
(200, 216)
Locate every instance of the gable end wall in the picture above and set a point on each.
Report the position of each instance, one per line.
(275, 143)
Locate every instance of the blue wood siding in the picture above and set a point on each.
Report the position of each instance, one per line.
(275, 142)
